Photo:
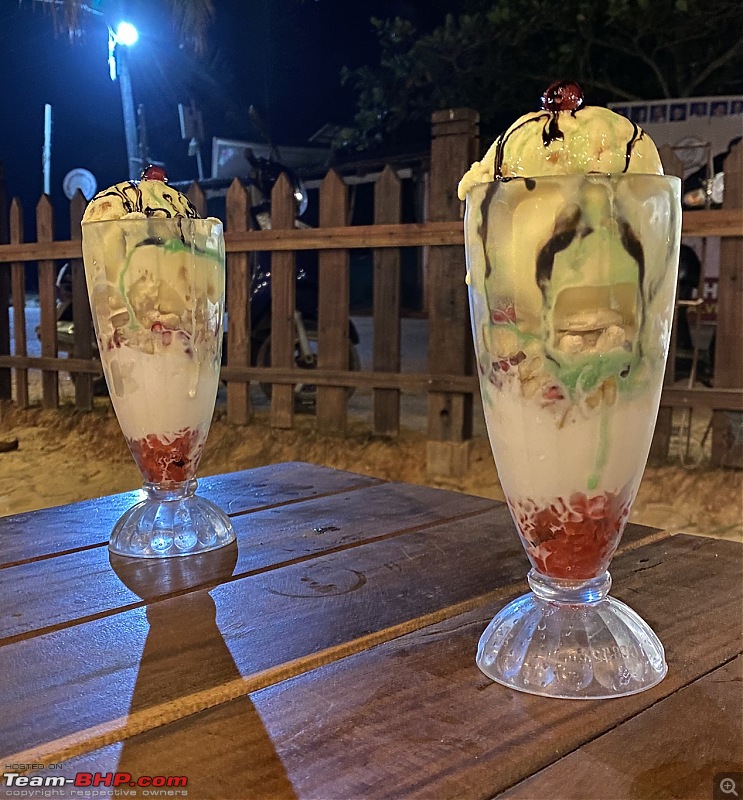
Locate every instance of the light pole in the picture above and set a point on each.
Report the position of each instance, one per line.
(126, 34)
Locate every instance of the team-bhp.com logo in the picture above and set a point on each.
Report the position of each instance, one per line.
(93, 784)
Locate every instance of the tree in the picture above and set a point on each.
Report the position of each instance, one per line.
(501, 54)
(191, 18)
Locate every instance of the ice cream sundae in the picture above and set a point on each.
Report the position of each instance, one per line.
(155, 279)
(571, 282)
(155, 275)
(572, 235)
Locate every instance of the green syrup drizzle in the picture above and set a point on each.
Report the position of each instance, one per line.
(170, 246)
(601, 451)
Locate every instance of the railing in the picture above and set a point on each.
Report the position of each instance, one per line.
(449, 382)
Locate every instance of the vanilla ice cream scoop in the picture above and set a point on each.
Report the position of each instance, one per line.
(150, 197)
(565, 138)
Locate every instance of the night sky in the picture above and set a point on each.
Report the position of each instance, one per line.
(283, 56)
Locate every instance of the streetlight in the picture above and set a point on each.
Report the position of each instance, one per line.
(125, 34)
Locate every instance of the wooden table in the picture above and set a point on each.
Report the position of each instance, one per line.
(330, 654)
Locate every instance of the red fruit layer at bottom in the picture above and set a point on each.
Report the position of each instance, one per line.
(168, 459)
(573, 538)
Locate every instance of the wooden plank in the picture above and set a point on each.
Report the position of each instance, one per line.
(18, 281)
(405, 381)
(694, 223)
(84, 586)
(47, 305)
(196, 195)
(53, 364)
(6, 383)
(727, 442)
(386, 402)
(661, 442)
(720, 222)
(414, 718)
(453, 148)
(674, 749)
(728, 399)
(81, 314)
(275, 625)
(333, 309)
(283, 303)
(77, 526)
(238, 305)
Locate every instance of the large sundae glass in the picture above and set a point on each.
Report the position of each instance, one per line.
(572, 234)
(156, 275)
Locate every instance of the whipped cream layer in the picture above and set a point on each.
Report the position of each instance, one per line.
(160, 393)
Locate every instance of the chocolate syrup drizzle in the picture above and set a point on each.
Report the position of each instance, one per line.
(133, 201)
(483, 229)
(566, 230)
(550, 133)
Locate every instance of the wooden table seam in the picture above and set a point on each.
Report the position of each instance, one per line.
(17, 637)
(257, 509)
(157, 716)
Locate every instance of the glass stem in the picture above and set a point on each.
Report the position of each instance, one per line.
(556, 590)
(174, 490)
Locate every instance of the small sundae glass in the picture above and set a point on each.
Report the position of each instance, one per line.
(572, 235)
(156, 276)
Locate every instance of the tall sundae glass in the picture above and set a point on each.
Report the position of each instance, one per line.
(156, 275)
(571, 274)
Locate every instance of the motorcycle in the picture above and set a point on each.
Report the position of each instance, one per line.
(263, 175)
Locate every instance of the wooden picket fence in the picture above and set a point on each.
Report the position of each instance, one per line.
(449, 381)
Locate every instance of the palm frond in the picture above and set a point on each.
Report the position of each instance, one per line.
(192, 19)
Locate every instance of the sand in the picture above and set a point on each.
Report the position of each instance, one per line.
(65, 456)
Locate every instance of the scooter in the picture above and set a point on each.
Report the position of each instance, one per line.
(264, 174)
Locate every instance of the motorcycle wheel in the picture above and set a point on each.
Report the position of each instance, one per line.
(305, 394)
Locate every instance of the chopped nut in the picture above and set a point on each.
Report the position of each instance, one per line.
(120, 319)
(570, 343)
(530, 367)
(611, 338)
(530, 387)
(593, 400)
(503, 342)
(595, 319)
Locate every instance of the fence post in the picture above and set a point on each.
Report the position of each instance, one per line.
(727, 426)
(6, 384)
(283, 303)
(238, 306)
(387, 209)
(47, 304)
(18, 280)
(450, 351)
(333, 308)
(81, 314)
(196, 195)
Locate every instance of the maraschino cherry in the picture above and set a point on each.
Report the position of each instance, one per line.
(562, 96)
(154, 173)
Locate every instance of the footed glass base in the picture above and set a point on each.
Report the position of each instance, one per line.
(569, 639)
(171, 521)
